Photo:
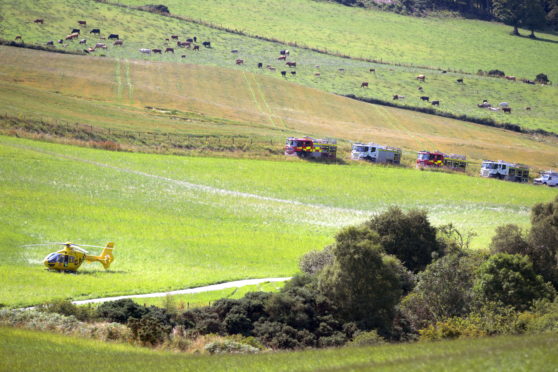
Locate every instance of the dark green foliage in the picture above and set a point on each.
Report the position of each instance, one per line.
(121, 310)
(510, 12)
(511, 281)
(150, 329)
(497, 73)
(65, 307)
(534, 17)
(542, 79)
(370, 338)
(362, 281)
(510, 239)
(543, 239)
(408, 236)
(314, 261)
(444, 289)
(158, 9)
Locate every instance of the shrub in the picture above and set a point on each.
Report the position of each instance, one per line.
(452, 328)
(509, 239)
(314, 261)
(121, 310)
(543, 240)
(511, 280)
(229, 346)
(149, 330)
(369, 338)
(496, 73)
(542, 79)
(67, 308)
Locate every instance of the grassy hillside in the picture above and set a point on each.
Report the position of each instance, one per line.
(180, 222)
(448, 43)
(23, 350)
(112, 94)
(145, 30)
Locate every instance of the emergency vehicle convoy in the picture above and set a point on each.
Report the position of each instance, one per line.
(505, 171)
(376, 153)
(307, 147)
(441, 160)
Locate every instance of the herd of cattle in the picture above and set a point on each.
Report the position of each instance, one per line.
(192, 43)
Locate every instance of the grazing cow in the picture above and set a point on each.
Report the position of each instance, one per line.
(90, 49)
(341, 70)
(282, 58)
(421, 78)
(527, 81)
(291, 64)
(494, 108)
(284, 52)
(507, 109)
(272, 68)
(372, 70)
(82, 23)
(316, 74)
(169, 50)
(234, 51)
(459, 81)
(512, 78)
(260, 65)
(60, 41)
(207, 44)
(18, 37)
(317, 66)
(95, 31)
(444, 72)
(364, 84)
(195, 39)
(86, 51)
(75, 31)
(484, 105)
(425, 98)
(420, 89)
(72, 36)
(145, 51)
(293, 73)
(196, 47)
(113, 36)
(284, 73)
(39, 20)
(50, 43)
(397, 96)
(435, 103)
(239, 61)
(528, 108)
(101, 45)
(190, 40)
(118, 42)
(83, 41)
(183, 56)
(503, 104)
(183, 44)
(174, 37)
(157, 51)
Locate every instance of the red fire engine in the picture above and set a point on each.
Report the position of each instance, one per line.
(306, 147)
(439, 159)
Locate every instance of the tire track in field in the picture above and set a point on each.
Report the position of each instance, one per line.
(200, 187)
(129, 82)
(257, 102)
(262, 96)
(118, 78)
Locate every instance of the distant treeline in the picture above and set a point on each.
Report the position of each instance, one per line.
(530, 14)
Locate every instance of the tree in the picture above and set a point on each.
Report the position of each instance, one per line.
(408, 236)
(511, 12)
(511, 281)
(510, 239)
(534, 17)
(362, 281)
(543, 240)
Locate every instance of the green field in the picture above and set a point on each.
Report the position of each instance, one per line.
(146, 30)
(22, 350)
(204, 100)
(181, 221)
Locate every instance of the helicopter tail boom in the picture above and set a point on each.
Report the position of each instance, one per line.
(105, 258)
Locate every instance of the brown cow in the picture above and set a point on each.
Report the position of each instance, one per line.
(157, 51)
(364, 84)
(174, 37)
(101, 45)
(421, 77)
(183, 44)
(72, 36)
(372, 70)
(83, 41)
(169, 50)
(39, 20)
(18, 37)
(196, 47)
(282, 58)
(118, 42)
(291, 64)
(512, 78)
(239, 61)
(82, 23)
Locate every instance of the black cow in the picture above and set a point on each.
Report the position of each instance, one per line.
(283, 73)
(460, 81)
(207, 44)
(195, 39)
(425, 98)
(260, 65)
(435, 103)
(75, 31)
(293, 72)
(113, 36)
(95, 31)
(190, 40)
(50, 42)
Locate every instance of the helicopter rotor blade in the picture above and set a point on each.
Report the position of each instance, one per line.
(43, 244)
(78, 248)
(87, 245)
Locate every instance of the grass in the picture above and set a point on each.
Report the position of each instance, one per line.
(142, 29)
(24, 350)
(225, 104)
(187, 221)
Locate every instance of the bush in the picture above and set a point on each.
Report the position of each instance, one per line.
(121, 310)
(314, 261)
(496, 73)
(149, 330)
(511, 280)
(452, 328)
(543, 240)
(157, 9)
(65, 307)
(542, 79)
(510, 239)
(370, 338)
(229, 346)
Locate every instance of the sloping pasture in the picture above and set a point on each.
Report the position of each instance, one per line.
(113, 93)
(179, 222)
(145, 30)
(25, 350)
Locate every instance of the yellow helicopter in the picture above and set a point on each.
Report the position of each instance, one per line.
(70, 258)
